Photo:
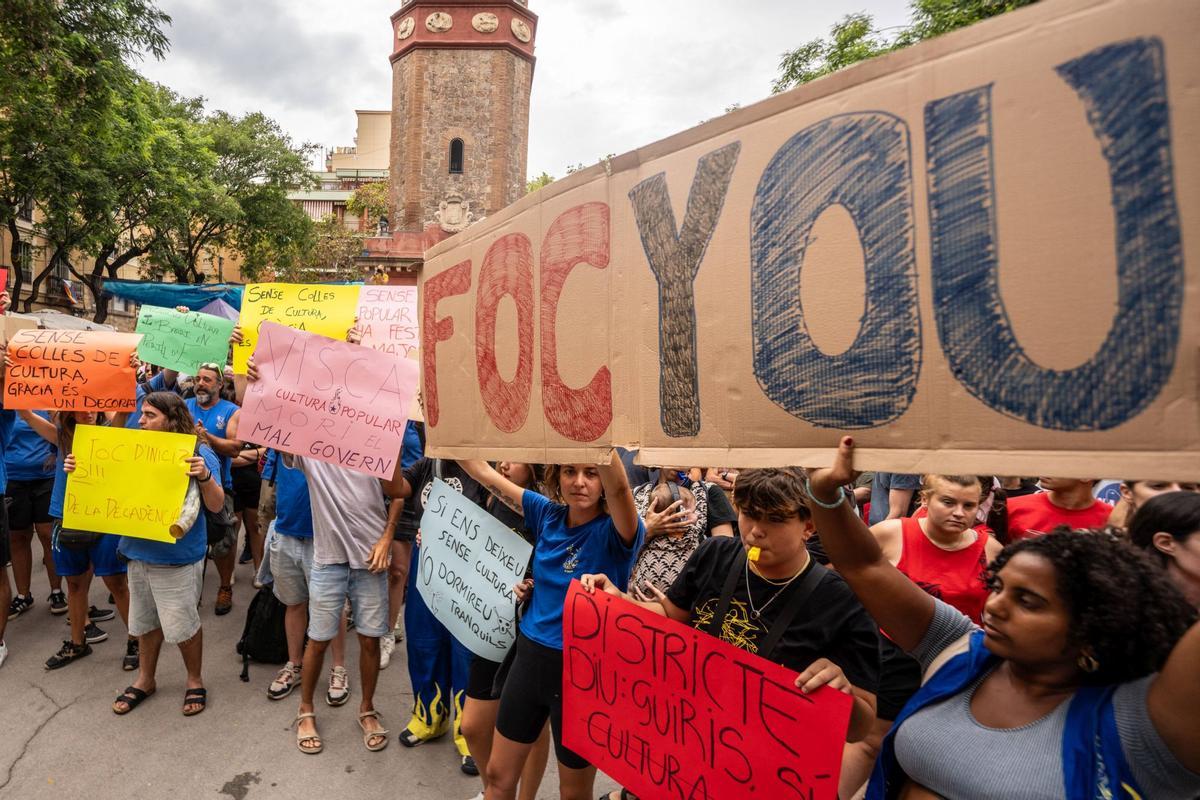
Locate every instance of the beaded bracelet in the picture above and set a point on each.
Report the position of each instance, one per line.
(808, 487)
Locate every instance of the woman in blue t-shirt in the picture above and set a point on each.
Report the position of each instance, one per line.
(588, 524)
(79, 564)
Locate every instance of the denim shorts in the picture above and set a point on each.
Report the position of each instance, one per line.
(328, 587)
(291, 566)
(101, 557)
(165, 596)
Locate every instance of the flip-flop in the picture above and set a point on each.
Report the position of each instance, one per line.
(194, 697)
(314, 738)
(368, 734)
(132, 697)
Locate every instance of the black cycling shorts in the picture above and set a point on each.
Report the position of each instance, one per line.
(29, 503)
(247, 486)
(532, 693)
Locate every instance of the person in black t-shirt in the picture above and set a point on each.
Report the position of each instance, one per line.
(830, 638)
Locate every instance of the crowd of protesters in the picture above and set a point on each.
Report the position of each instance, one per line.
(1000, 636)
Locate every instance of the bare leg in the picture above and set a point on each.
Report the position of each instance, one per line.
(192, 651)
(254, 535)
(149, 646)
(314, 659)
(295, 620)
(535, 765)
(505, 763)
(77, 604)
(44, 530)
(368, 671)
(119, 586)
(398, 578)
(477, 727)
(225, 566)
(21, 545)
(338, 646)
(576, 784)
(5, 599)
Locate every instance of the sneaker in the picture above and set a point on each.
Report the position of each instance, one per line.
(100, 614)
(68, 653)
(94, 634)
(132, 659)
(58, 602)
(224, 601)
(386, 645)
(339, 687)
(3, 653)
(19, 605)
(468, 766)
(287, 680)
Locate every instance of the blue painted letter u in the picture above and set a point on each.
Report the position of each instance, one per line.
(1123, 88)
(862, 162)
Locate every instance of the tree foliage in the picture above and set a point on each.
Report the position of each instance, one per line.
(533, 184)
(855, 38)
(369, 202)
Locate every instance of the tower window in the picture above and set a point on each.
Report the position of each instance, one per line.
(456, 156)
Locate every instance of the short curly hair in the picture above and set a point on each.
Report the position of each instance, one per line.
(772, 494)
(1123, 607)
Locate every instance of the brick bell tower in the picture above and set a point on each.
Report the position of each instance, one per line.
(462, 71)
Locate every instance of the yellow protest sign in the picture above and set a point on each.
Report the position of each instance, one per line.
(129, 482)
(325, 310)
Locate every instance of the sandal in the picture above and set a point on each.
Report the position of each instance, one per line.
(367, 735)
(313, 740)
(132, 697)
(194, 697)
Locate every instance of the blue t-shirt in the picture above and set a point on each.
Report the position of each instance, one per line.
(216, 421)
(59, 493)
(882, 484)
(187, 550)
(27, 456)
(293, 510)
(411, 451)
(7, 418)
(564, 553)
(157, 383)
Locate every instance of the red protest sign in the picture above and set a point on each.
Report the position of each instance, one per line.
(671, 712)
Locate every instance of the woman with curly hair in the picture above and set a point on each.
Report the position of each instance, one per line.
(1168, 528)
(1080, 684)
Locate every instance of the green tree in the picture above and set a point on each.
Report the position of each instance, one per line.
(63, 67)
(333, 255)
(533, 184)
(855, 38)
(240, 203)
(369, 202)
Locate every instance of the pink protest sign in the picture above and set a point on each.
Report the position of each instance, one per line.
(387, 316)
(333, 401)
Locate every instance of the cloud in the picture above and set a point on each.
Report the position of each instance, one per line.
(611, 76)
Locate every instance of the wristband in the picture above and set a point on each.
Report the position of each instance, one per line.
(206, 478)
(808, 488)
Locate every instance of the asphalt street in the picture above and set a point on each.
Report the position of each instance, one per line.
(60, 739)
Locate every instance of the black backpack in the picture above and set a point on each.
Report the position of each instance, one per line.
(263, 638)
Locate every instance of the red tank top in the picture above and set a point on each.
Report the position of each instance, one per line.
(958, 577)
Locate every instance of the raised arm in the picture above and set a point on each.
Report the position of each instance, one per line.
(500, 487)
(900, 607)
(41, 426)
(1174, 700)
(230, 446)
(620, 498)
(397, 487)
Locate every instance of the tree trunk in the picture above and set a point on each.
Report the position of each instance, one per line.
(35, 289)
(14, 255)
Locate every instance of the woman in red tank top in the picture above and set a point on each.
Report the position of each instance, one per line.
(944, 552)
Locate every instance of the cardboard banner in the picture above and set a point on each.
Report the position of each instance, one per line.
(336, 402)
(324, 310)
(969, 253)
(70, 371)
(127, 481)
(670, 712)
(182, 342)
(469, 563)
(387, 316)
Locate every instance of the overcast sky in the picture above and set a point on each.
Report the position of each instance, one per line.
(611, 75)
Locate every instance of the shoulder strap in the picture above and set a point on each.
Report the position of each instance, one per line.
(797, 593)
(731, 579)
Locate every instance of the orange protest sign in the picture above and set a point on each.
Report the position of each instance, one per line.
(70, 371)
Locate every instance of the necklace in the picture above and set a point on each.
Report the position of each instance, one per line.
(755, 613)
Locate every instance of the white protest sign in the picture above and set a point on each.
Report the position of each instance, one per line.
(468, 564)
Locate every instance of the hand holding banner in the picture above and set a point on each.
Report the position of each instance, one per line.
(180, 341)
(127, 481)
(671, 712)
(329, 400)
(71, 371)
(468, 564)
(325, 310)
